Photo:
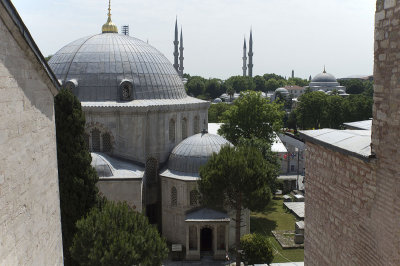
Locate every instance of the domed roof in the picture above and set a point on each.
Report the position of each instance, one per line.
(282, 90)
(116, 67)
(324, 77)
(194, 152)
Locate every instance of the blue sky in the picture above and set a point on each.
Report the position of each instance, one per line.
(303, 35)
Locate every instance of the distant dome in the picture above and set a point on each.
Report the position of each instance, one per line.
(217, 100)
(324, 77)
(194, 152)
(115, 67)
(282, 90)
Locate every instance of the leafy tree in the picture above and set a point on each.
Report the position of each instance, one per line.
(115, 234)
(230, 91)
(195, 86)
(256, 249)
(215, 112)
(237, 177)
(251, 116)
(77, 178)
(356, 86)
(297, 81)
(311, 109)
(273, 76)
(334, 111)
(213, 88)
(271, 84)
(260, 83)
(357, 108)
(47, 58)
(240, 83)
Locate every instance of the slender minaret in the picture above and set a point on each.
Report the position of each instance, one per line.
(176, 43)
(292, 73)
(244, 58)
(181, 68)
(251, 54)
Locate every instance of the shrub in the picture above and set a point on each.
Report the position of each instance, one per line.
(256, 249)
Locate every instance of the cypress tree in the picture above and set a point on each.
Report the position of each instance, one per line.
(77, 178)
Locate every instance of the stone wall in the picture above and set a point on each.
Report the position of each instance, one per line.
(386, 129)
(30, 224)
(340, 198)
(352, 206)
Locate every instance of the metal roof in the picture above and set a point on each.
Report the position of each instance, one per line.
(110, 168)
(194, 152)
(296, 207)
(180, 175)
(99, 63)
(363, 125)
(23, 30)
(207, 215)
(351, 142)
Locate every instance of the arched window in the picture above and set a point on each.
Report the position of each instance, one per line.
(172, 130)
(184, 128)
(194, 197)
(86, 136)
(96, 140)
(126, 90)
(196, 125)
(151, 170)
(106, 142)
(174, 197)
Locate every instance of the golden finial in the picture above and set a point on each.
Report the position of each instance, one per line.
(109, 27)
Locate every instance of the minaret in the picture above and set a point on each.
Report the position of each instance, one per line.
(244, 58)
(109, 26)
(251, 54)
(181, 68)
(292, 73)
(176, 52)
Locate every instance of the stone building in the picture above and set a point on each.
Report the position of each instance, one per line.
(352, 178)
(137, 112)
(325, 82)
(30, 221)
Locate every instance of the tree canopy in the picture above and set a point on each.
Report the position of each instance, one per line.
(240, 83)
(256, 249)
(115, 234)
(195, 86)
(237, 177)
(77, 178)
(251, 115)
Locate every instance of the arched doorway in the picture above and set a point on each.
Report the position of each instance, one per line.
(206, 238)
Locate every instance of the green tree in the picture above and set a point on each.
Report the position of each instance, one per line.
(77, 178)
(115, 234)
(297, 81)
(237, 177)
(240, 83)
(195, 86)
(230, 91)
(334, 112)
(256, 249)
(213, 88)
(252, 116)
(356, 86)
(311, 109)
(271, 84)
(260, 84)
(273, 76)
(215, 112)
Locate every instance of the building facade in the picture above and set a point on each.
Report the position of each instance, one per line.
(30, 220)
(352, 179)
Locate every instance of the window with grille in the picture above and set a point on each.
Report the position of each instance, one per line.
(174, 196)
(192, 237)
(194, 197)
(196, 125)
(184, 128)
(96, 140)
(172, 130)
(106, 142)
(86, 136)
(221, 237)
(151, 170)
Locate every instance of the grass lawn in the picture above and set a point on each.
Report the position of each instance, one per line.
(276, 218)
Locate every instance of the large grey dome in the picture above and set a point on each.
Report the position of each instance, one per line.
(324, 80)
(115, 67)
(194, 152)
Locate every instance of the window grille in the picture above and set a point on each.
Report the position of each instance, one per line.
(96, 140)
(194, 197)
(184, 128)
(172, 130)
(174, 197)
(106, 142)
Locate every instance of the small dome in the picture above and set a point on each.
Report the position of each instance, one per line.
(321, 90)
(341, 91)
(217, 100)
(324, 77)
(194, 152)
(282, 90)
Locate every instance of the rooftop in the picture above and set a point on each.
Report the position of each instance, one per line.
(110, 168)
(351, 142)
(362, 125)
